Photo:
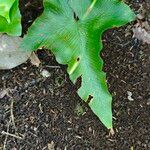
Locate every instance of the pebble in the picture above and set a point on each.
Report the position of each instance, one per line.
(130, 96)
(3, 93)
(148, 101)
(10, 53)
(45, 73)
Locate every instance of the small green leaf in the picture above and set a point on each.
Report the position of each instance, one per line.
(10, 18)
(5, 6)
(79, 110)
(72, 30)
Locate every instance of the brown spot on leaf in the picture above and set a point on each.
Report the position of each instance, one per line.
(78, 59)
(75, 16)
(89, 99)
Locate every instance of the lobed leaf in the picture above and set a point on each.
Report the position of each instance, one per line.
(72, 30)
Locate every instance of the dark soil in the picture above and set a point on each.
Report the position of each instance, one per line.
(48, 113)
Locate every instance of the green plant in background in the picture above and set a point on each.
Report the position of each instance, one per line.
(79, 110)
(72, 30)
(10, 18)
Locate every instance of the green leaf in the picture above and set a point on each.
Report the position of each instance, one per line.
(10, 18)
(5, 6)
(72, 30)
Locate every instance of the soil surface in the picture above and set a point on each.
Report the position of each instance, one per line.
(42, 111)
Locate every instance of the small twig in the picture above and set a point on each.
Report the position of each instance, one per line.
(11, 111)
(13, 122)
(5, 141)
(11, 114)
(12, 135)
(53, 66)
